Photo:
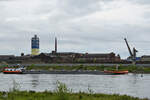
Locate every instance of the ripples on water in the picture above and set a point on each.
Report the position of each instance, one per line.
(131, 84)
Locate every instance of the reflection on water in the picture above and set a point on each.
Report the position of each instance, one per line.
(131, 84)
(35, 80)
(135, 78)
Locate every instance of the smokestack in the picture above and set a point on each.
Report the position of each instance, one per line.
(55, 44)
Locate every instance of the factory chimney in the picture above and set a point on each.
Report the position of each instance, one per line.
(55, 44)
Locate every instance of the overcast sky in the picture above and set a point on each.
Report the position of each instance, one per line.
(94, 26)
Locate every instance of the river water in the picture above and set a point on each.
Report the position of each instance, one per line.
(130, 84)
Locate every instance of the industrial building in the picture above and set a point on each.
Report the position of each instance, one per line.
(60, 57)
(70, 57)
(100, 57)
(35, 45)
(145, 58)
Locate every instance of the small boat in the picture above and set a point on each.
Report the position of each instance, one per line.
(117, 72)
(12, 70)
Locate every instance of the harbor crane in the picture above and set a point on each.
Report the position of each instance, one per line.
(132, 53)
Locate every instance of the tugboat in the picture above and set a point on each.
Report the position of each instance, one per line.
(116, 72)
(13, 70)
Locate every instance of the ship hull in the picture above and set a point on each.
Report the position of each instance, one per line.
(12, 72)
(116, 72)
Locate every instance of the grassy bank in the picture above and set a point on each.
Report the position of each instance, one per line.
(131, 68)
(61, 93)
(55, 96)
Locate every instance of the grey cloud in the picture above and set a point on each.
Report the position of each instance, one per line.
(141, 1)
(79, 7)
(50, 19)
(6, 0)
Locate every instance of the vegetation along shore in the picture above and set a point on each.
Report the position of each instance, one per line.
(131, 68)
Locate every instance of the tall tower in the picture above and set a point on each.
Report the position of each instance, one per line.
(35, 45)
(55, 45)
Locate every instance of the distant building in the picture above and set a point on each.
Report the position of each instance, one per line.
(99, 57)
(145, 58)
(6, 57)
(35, 45)
(72, 57)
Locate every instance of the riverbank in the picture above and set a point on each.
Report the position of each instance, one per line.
(61, 93)
(24, 95)
(130, 68)
(81, 69)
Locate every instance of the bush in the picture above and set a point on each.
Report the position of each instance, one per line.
(62, 92)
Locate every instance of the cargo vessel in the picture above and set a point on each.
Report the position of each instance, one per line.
(13, 70)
